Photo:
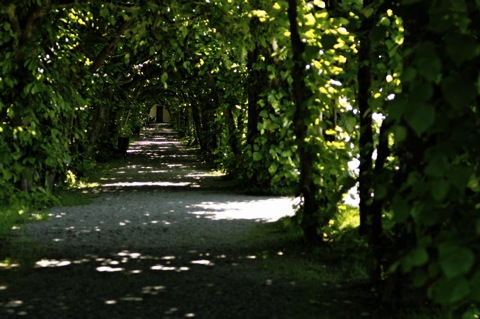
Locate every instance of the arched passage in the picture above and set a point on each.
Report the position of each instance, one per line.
(159, 114)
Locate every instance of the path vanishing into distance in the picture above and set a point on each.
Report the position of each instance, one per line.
(165, 237)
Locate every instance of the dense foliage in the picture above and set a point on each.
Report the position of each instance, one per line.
(291, 97)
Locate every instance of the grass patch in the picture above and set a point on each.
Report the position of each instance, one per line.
(26, 208)
(74, 197)
(13, 215)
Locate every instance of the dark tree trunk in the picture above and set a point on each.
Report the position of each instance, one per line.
(197, 124)
(370, 206)
(308, 189)
(233, 132)
(253, 92)
(366, 133)
(102, 111)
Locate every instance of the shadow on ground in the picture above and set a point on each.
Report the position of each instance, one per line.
(165, 237)
(181, 255)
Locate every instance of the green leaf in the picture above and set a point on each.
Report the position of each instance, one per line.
(459, 5)
(419, 278)
(460, 47)
(455, 260)
(368, 11)
(9, 82)
(104, 11)
(458, 92)
(478, 84)
(378, 33)
(475, 286)
(440, 189)
(420, 117)
(448, 291)
(400, 209)
(7, 175)
(257, 156)
(328, 41)
(400, 133)
(417, 257)
(409, 74)
(272, 169)
(425, 214)
(164, 79)
(381, 191)
(427, 61)
(311, 52)
(396, 109)
(420, 91)
(437, 166)
(263, 114)
(459, 176)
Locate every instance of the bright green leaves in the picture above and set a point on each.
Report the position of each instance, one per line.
(257, 156)
(164, 79)
(272, 169)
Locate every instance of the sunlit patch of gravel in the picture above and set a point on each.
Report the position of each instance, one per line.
(172, 220)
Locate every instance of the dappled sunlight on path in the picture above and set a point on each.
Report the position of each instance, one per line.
(158, 160)
(165, 237)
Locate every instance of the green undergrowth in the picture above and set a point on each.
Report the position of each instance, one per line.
(22, 208)
(12, 216)
(26, 208)
(330, 280)
(74, 197)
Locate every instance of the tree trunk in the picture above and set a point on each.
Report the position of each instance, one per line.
(308, 189)
(366, 133)
(253, 92)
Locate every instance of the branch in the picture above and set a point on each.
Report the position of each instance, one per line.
(14, 21)
(32, 16)
(111, 46)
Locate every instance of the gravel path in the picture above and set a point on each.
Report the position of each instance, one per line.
(165, 237)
